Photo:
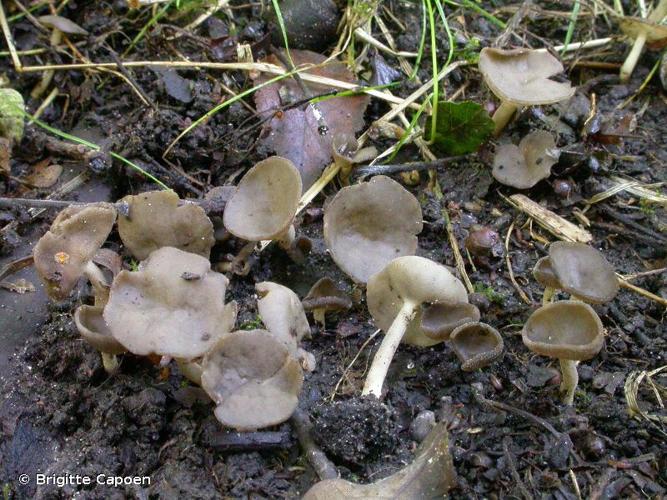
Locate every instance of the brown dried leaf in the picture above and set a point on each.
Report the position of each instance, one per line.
(44, 175)
(293, 133)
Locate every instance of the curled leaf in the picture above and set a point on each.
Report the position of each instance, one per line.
(461, 128)
(430, 475)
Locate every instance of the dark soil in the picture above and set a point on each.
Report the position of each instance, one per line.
(62, 414)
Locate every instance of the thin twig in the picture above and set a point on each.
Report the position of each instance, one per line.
(460, 265)
(369, 170)
(508, 261)
(324, 468)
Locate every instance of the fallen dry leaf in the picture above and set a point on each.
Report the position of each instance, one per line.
(292, 132)
(44, 175)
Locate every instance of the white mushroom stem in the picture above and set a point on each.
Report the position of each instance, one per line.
(286, 240)
(319, 316)
(378, 370)
(548, 295)
(569, 380)
(191, 370)
(110, 362)
(502, 116)
(98, 281)
(633, 57)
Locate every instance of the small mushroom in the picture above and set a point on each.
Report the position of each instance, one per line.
(65, 253)
(569, 331)
(438, 321)
(253, 379)
(476, 345)
(642, 31)
(525, 165)
(323, 297)
(283, 316)
(578, 269)
(155, 219)
(172, 306)
(265, 202)
(521, 77)
(93, 328)
(369, 224)
(395, 296)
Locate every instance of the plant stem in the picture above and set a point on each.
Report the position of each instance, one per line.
(548, 295)
(378, 370)
(502, 116)
(570, 379)
(633, 57)
(190, 370)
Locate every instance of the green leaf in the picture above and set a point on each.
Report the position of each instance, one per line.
(462, 127)
(11, 114)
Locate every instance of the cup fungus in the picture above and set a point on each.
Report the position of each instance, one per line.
(172, 306)
(93, 328)
(521, 77)
(65, 253)
(323, 297)
(430, 475)
(476, 345)
(642, 31)
(155, 219)
(578, 269)
(525, 165)
(395, 296)
(568, 330)
(253, 379)
(438, 321)
(264, 205)
(369, 224)
(285, 319)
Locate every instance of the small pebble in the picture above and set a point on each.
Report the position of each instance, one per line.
(422, 425)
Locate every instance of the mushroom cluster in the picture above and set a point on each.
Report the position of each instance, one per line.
(570, 330)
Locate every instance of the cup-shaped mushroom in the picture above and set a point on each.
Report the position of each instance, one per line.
(155, 219)
(438, 321)
(395, 296)
(583, 272)
(369, 224)
(253, 379)
(476, 345)
(172, 306)
(642, 31)
(323, 297)
(265, 202)
(569, 331)
(525, 165)
(65, 253)
(93, 328)
(544, 273)
(521, 77)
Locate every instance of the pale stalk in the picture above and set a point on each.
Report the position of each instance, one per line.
(380, 366)
(502, 116)
(633, 57)
(569, 380)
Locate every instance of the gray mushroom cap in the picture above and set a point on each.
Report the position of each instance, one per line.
(544, 273)
(525, 165)
(583, 272)
(172, 306)
(93, 328)
(438, 321)
(476, 345)
(522, 76)
(265, 201)
(326, 295)
(155, 219)
(369, 224)
(418, 280)
(253, 379)
(567, 329)
(75, 236)
(635, 26)
(282, 313)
